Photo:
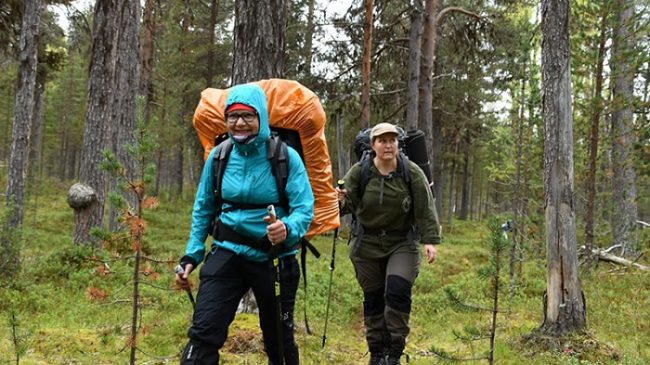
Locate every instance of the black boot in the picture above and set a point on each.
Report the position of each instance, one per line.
(196, 353)
(393, 358)
(377, 358)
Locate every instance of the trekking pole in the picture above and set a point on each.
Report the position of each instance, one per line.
(179, 270)
(278, 298)
(329, 289)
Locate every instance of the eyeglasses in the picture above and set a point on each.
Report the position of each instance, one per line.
(232, 118)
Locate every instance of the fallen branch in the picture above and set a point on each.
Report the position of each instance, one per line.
(603, 255)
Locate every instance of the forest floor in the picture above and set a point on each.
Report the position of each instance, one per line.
(66, 307)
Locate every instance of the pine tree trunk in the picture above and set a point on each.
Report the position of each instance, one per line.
(593, 137)
(625, 212)
(259, 40)
(19, 156)
(36, 131)
(564, 302)
(123, 111)
(209, 74)
(97, 128)
(309, 38)
(464, 202)
(258, 54)
(415, 44)
(365, 65)
(146, 58)
(517, 199)
(343, 158)
(425, 115)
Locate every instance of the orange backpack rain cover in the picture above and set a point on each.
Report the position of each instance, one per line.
(291, 106)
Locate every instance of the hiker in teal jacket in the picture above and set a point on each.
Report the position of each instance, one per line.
(240, 255)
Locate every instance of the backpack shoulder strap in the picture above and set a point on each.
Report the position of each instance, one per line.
(219, 162)
(277, 153)
(403, 169)
(366, 162)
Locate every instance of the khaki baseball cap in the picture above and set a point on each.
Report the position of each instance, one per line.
(382, 128)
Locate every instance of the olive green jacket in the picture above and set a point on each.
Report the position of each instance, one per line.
(388, 206)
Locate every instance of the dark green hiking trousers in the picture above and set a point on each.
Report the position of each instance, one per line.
(386, 285)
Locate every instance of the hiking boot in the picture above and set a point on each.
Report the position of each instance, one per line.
(377, 359)
(392, 359)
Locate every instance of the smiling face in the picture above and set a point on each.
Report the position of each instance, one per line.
(242, 124)
(385, 146)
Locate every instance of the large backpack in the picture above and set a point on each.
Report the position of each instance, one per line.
(278, 156)
(412, 146)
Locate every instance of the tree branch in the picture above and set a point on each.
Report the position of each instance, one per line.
(457, 9)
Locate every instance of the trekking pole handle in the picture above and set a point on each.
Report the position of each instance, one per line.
(180, 271)
(340, 183)
(271, 210)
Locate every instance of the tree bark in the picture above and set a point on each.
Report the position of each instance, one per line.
(415, 42)
(624, 192)
(259, 40)
(464, 201)
(426, 74)
(146, 58)
(309, 37)
(97, 128)
(258, 54)
(23, 113)
(124, 93)
(209, 74)
(365, 65)
(564, 302)
(593, 137)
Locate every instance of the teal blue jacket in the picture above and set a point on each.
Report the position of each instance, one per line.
(248, 179)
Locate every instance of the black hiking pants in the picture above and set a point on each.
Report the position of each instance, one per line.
(224, 279)
(386, 285)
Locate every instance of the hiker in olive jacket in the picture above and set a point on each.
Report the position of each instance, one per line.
(390, 213)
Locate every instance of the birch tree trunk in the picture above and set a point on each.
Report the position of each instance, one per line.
(625, 212)
(19, 155)
(564, 306)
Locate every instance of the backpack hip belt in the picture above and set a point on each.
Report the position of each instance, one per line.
(225, 233)
(386, 232)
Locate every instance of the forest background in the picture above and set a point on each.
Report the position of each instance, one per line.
(65, 302)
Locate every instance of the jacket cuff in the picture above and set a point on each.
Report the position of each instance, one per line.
(188, 260)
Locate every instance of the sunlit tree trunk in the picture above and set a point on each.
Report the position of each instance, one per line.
(564, 305)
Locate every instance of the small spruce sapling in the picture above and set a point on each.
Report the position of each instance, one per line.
(132, 218)
(498, 242)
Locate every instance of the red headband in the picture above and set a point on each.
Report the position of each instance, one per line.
(239, 106)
